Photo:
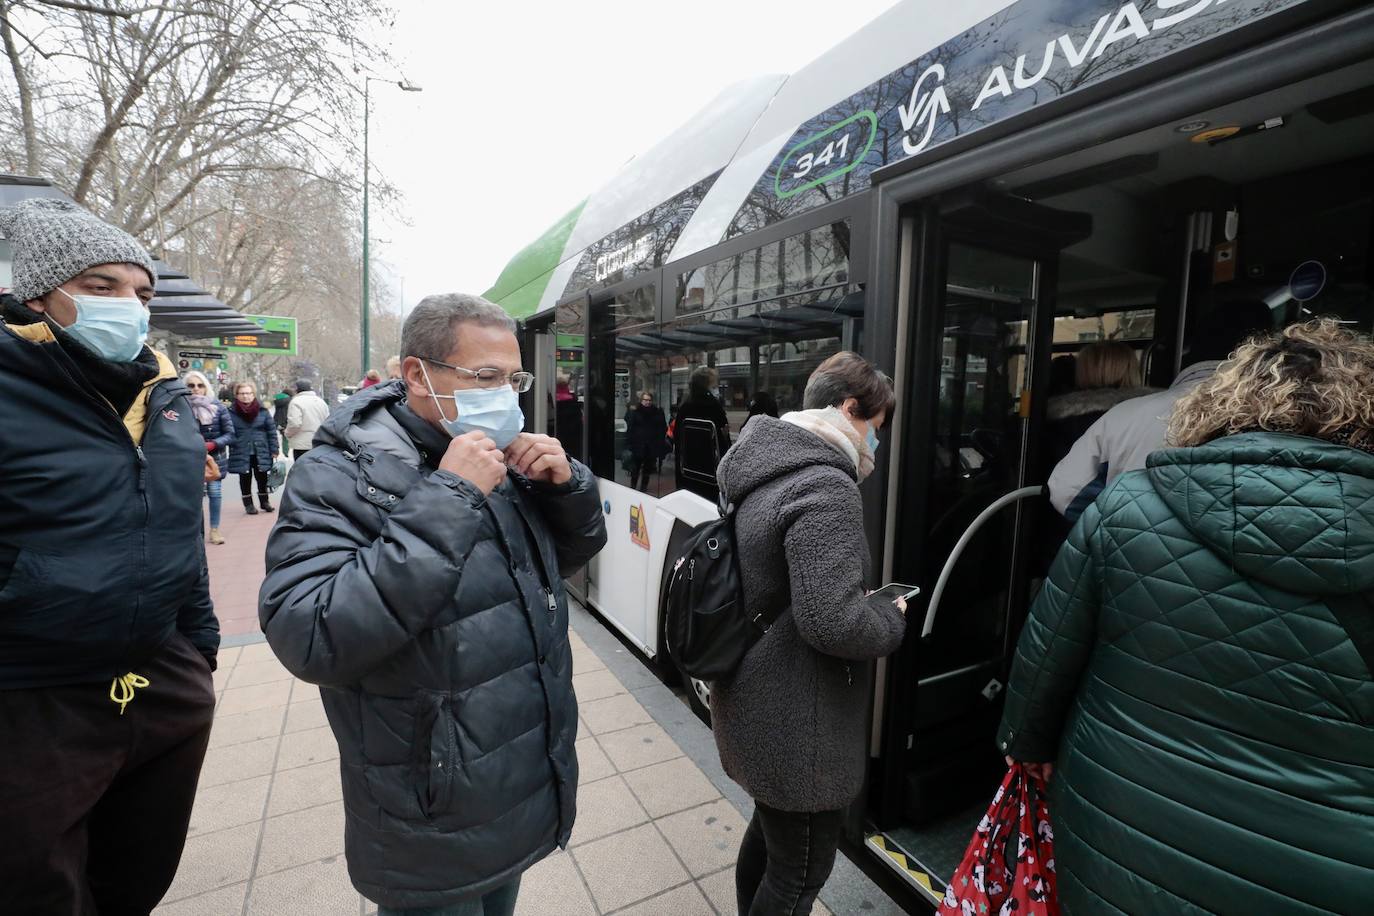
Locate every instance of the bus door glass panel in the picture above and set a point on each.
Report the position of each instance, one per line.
(979, 387)
(642, 373)
(981, 410)
(570, 377)
(609, 376)
(539, 355)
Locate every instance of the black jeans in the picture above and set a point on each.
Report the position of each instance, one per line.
(255, 470)
(641, 468)
(96, 804)
(784, 860)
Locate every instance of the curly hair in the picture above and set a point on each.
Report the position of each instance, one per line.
(1311, 379)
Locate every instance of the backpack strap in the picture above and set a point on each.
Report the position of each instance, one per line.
(1355, 614)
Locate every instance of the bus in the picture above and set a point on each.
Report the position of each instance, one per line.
(961, 192)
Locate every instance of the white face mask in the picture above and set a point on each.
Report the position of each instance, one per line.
(494, 411)
(115, 327)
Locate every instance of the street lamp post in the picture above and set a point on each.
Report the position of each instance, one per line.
(405, 86)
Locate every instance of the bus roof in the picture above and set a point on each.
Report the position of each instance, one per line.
(767, 149)
(725, 147)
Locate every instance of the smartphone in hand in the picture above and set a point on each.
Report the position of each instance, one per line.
(896, 591)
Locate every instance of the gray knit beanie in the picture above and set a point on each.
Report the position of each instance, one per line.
(54, 240)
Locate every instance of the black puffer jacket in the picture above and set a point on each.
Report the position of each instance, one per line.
(440, 644)
(102, 556)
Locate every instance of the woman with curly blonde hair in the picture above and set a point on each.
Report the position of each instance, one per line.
(1196, 673)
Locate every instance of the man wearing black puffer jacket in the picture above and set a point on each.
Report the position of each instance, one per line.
(107, 634)
(416, 574)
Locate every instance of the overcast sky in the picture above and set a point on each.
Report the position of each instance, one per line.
(528, 107)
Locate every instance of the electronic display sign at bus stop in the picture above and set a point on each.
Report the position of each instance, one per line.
(277, 337)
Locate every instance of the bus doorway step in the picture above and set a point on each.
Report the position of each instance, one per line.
(892, 855)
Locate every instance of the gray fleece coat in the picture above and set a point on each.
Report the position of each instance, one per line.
(790, 724)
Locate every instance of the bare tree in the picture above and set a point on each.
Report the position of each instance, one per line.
(220, 132)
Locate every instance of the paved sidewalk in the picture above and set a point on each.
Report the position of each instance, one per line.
(657, 830)
(236, 566)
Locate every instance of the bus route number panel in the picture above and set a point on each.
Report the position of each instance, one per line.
(267, 340)
(827, 155)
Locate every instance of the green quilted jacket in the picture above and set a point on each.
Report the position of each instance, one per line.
(1212, 722)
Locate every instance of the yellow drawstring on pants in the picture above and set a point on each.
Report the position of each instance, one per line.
(122, 689)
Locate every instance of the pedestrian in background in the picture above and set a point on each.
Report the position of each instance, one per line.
(393, 368)
(281, 405)
(646, 431)
(107, 632)
(256, 448)
(1196, 672)
(416, 574)
(373, 377)
(304, 417)
(217, 429)
(791, 723)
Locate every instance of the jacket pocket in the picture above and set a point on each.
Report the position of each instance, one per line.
(436, 756)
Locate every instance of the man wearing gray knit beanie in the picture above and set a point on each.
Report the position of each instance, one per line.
(107, 634)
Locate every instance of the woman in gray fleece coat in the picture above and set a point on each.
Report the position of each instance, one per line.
(790, 722)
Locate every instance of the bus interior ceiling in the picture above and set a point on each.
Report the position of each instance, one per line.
(1301, 188)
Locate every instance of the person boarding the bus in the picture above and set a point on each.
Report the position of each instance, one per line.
(107, 633)
(1195, 675)
(1123, 437)
(416, 574)
(790, 723)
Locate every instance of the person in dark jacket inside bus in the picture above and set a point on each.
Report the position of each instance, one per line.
(217, 429)
(256, 447)
(790, 723)
(646, 436)
(1195, 676)
(107, 633)
(701, 434)
(416, 574)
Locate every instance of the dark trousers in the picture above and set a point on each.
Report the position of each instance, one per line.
(96, 804)
(246, 478)
(298, 453)
(784, 860)
(641, 468)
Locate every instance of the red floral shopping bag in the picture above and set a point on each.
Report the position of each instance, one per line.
(1008, 868)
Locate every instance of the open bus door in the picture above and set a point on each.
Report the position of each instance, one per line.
(979, 342)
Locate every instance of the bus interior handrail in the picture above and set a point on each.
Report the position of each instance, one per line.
(993, 508)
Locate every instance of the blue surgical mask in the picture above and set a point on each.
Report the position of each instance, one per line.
(872, 439)
(494, 411)
(114, 327)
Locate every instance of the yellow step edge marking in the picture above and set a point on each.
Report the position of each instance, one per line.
(879, 842)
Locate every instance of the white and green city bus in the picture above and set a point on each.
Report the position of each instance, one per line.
(960, 192)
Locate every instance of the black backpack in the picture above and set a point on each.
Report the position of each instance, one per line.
(707, 626)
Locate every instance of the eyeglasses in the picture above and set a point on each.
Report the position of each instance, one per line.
(194, 385)
(491, 378)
